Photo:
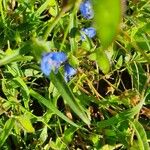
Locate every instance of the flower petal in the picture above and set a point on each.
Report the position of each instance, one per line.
(89, 32)
(69, 72)
(86, 9)
(52, 61)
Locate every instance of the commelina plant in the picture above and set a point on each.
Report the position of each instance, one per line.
(74, 74)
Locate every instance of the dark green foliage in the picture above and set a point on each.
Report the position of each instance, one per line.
(105, 105)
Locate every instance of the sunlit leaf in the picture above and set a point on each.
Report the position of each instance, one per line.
(43, 135)
(141, 135)
(14, 57)
(119, 62)
(6, 130)
(107, 18)
(102, 61)
(25, 123)
(68, 134)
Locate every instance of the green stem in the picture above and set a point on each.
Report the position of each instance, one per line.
(51, 25)
(66, 8)
(43, 7)
(64, 38)
(2, 12)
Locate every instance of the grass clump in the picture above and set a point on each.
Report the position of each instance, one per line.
(95, 92)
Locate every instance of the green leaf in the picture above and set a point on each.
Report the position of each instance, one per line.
(119, 62)
(127, 114)
(68, 134)
(102, 61)
(4, 106)
(22, 84)
(25, 91)
(92, 56)
(138, 75)
(50, 105)
(6, 130)
(14, 57)
(68, 96)
(25, 123)
(44, 6)
(73, 60)
(43, 135)
(38, 47)
(141, 135)
(107, 18)
(139, 36)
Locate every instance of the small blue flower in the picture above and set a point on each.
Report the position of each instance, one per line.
(52, 61)
(86, 9)
(89, 32)
(69, 72)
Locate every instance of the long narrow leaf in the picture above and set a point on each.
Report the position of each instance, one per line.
(68, 96)
(49, 105)
(141, 135)
(15, 56)
(6, 131)
(127, 114)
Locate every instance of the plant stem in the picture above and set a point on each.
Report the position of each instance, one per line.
(51, 25)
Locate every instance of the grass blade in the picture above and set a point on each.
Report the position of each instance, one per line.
(127, 114)
(49, 105)
(6, 130)
(68, 96)
(141, 135)
(14, 57)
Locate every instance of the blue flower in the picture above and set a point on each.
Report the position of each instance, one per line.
(69, 72)
(89, 32)
(86, 9)
(52, 61)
